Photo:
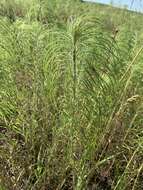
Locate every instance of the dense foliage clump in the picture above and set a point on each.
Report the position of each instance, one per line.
(71, 104)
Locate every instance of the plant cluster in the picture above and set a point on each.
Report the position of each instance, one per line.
(71, 104)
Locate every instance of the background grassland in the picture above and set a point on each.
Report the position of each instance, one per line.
(71, 104)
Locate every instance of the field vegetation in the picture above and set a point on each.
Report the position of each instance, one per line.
(71, 96)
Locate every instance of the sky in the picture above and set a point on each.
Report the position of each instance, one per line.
(136, 6)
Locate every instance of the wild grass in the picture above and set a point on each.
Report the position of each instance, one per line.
(71, 100)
